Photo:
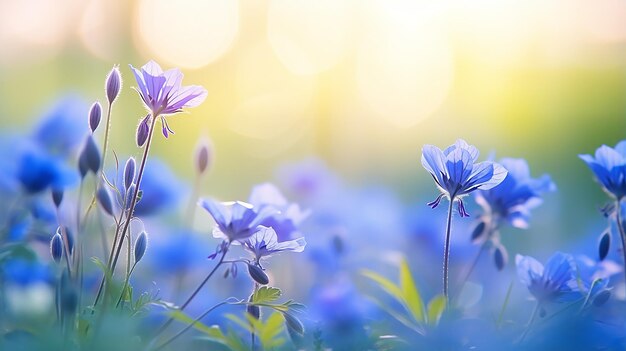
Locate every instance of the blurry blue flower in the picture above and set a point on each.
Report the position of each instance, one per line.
(556, 282)
(25, 272)
(518, 193)
(160, 187)
(177, 252)
(162, 93)
(235, 220)
(63, 127)
(456, 173)
(264, 243)
(37, 171)
(287, 217)
(609, 167)
(593, 276)
(310, 179)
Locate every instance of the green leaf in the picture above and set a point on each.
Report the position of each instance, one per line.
(436, 306)
(410, 293)
(250, 325)
(182, 317)
(398, 316)
(266, 294)
(270, 331)
(385, 284)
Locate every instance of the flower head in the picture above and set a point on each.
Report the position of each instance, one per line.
(163, 94)
(518, 193)
(609, 167)
(235, 220)
(456, 173)
(265, 243)
(556, 282)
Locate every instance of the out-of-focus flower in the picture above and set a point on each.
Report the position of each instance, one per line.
(264, 243)
(236, 220)
(160, 188)
(287, 216)
(62, 128)
(38, 171)
(162, 93)
(518, 193)
(609, 167)
(456, 172)
(556, 282)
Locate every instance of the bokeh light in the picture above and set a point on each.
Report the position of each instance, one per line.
(188, 33)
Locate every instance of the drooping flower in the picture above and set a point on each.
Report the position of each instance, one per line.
(556, 282)
(609, 167)
(264, 243)
(236, 220)
(163, 94)
(518, 193)
(456, 172)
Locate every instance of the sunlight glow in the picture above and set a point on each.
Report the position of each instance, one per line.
(188, 33)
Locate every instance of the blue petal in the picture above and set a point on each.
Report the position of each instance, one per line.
(433, 160)
(218, 211)
(560, 268)
(459, 165)
(528, 269)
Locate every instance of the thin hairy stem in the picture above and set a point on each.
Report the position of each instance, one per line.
(530, 322)
(133, 202)
(446, 248)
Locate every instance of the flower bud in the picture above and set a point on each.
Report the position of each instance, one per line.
(203, 157)
(129, 173)
(130, 192)
(293, 323)
(602, 297)
(257, 274)
(140, 246)
(604, 245)
(56, 248)
(113, 84)
(254, 311)
(500, 257)
(478, 232)
(142, 131)
(89, 160)
(104, 199)
(95, 114)
(57, 197)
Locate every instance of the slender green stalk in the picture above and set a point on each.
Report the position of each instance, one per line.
(106, 136)
(446, 249)
(620, 226)
(530, 321)
(125, 285)
(133, 202)
(504, 305)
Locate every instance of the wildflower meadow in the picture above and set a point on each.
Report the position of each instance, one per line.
(312, 175)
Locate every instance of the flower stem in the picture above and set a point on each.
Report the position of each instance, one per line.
(106, 137)
(193, 295)
(620, 227)
(446, 249)
(530, 322)
(131, 210)
(483, 246)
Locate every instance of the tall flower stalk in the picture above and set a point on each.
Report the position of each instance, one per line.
(457, 174)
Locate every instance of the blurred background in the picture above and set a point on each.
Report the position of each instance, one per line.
(361, 84)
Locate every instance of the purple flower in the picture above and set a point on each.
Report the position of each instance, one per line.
(235, 220)
(556, 282)
(264, 243)
(456, 173)
(163, 94)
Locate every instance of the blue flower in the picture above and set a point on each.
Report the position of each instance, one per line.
(287, 217)
(609, 166)
(518, 193)
(456, 173)
(556, 282)
(62, 127)
(236, 220)
(37, 171)
(24, 272)
(264, 243)
(160, 189)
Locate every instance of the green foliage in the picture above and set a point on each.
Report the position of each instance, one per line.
(413, 314)
(268, 331)
(266, 294)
